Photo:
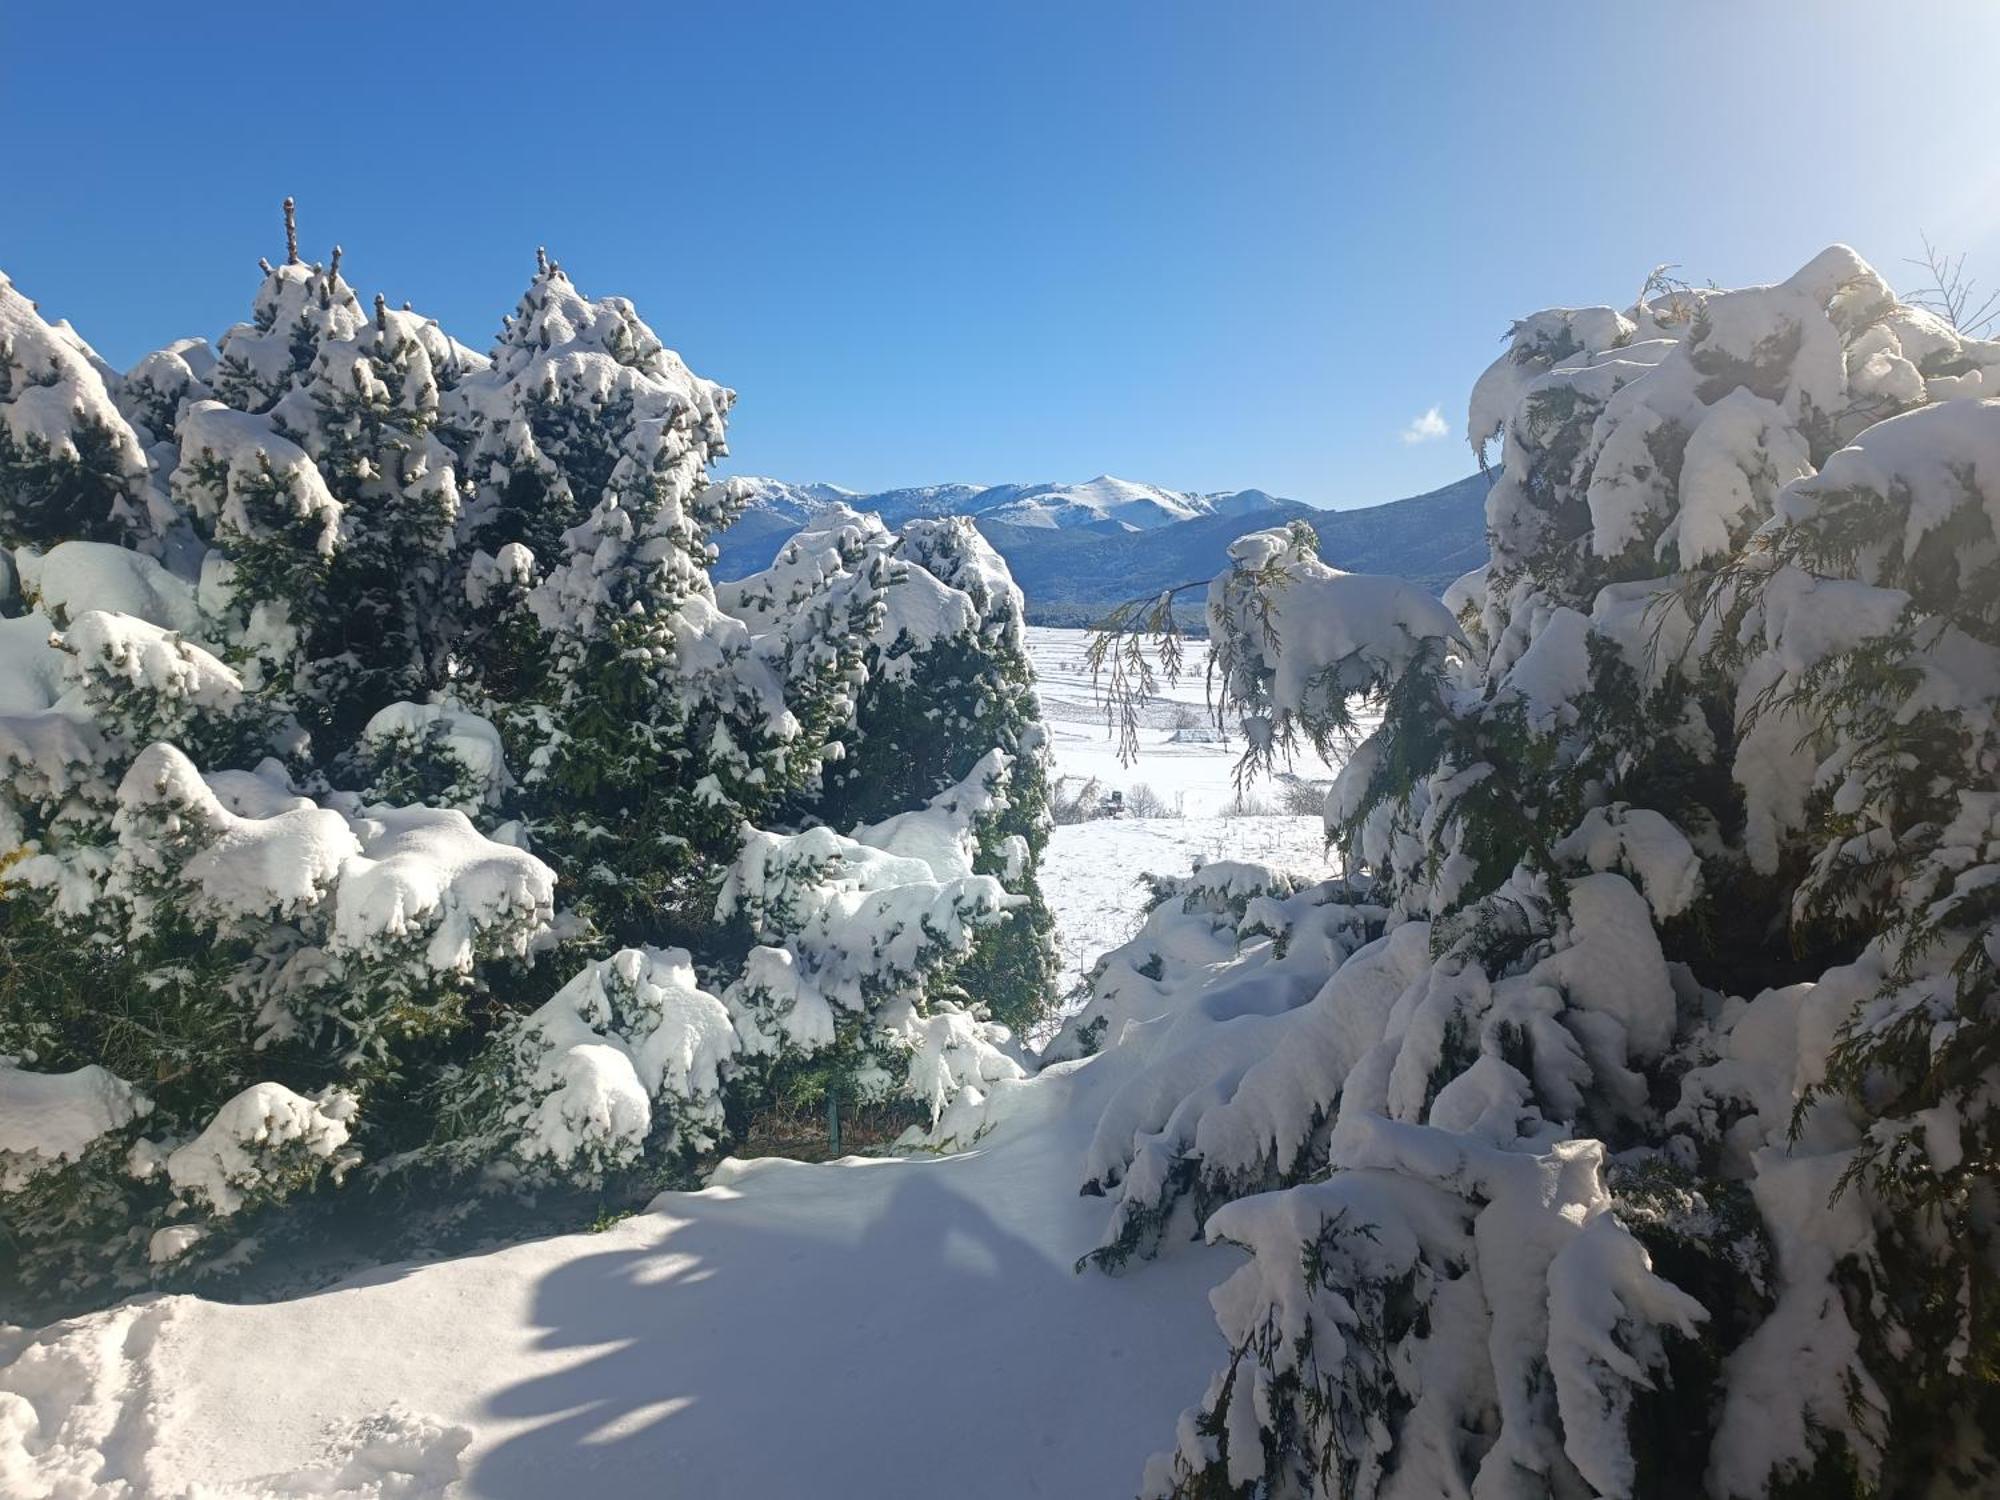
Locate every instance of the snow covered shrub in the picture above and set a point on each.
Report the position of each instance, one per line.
(1300, 798)
(386, 790)
(69, 464)
(1623, 1123)
(943, 680)
(624, 1058)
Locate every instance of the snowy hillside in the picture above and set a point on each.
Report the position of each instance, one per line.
(1076, 577)
(1103, 502)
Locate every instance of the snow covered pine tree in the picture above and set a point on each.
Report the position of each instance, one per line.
(1623, 1123)
(351, 681)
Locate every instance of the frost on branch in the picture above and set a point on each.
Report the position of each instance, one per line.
(1633, 1134)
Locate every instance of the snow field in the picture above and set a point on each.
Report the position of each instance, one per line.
(1092, 873)
(1182, 755)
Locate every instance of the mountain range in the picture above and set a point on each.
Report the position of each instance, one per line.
(1078, 550)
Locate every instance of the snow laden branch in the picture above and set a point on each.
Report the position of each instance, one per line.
(1295, 642)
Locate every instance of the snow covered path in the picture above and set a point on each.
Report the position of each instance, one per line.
(881, 1328)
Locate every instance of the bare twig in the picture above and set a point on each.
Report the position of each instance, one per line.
(1951, 293)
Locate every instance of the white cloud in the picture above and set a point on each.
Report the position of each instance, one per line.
(1426, 428)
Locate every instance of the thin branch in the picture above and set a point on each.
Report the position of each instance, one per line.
(1122, 673)
(1951, 293)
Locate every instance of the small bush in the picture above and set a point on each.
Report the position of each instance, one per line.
(1074, 801)
(1302, 798)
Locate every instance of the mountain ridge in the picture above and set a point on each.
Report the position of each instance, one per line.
(1078, 550)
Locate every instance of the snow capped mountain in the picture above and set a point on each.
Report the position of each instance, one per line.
(1078, 549)
(1101, 503)
(796, 503)
(1104, 504)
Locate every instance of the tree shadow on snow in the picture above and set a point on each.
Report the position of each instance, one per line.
(734, 1357)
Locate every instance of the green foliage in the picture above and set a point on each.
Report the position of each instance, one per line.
(1788, 749)
(47, 496)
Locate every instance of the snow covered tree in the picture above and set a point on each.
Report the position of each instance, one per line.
(314, 462)
(383, 781)
(69, 464)
(368, 410)
(646, 728)
(300, 308)
(1621, 1123)
(886, 965)
(943, 679)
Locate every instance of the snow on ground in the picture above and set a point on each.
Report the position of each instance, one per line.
(1091, 873)
(884, 1328)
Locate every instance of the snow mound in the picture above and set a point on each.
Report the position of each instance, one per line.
(47, 1119)
(86, 1406)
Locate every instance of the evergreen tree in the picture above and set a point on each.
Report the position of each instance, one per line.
(368, 411)
(1620, 1123)
(299, 308)
(645, 729)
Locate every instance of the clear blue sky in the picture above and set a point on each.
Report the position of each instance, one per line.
(1209, 245)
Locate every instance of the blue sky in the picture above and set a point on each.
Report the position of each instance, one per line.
(1207, 245)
